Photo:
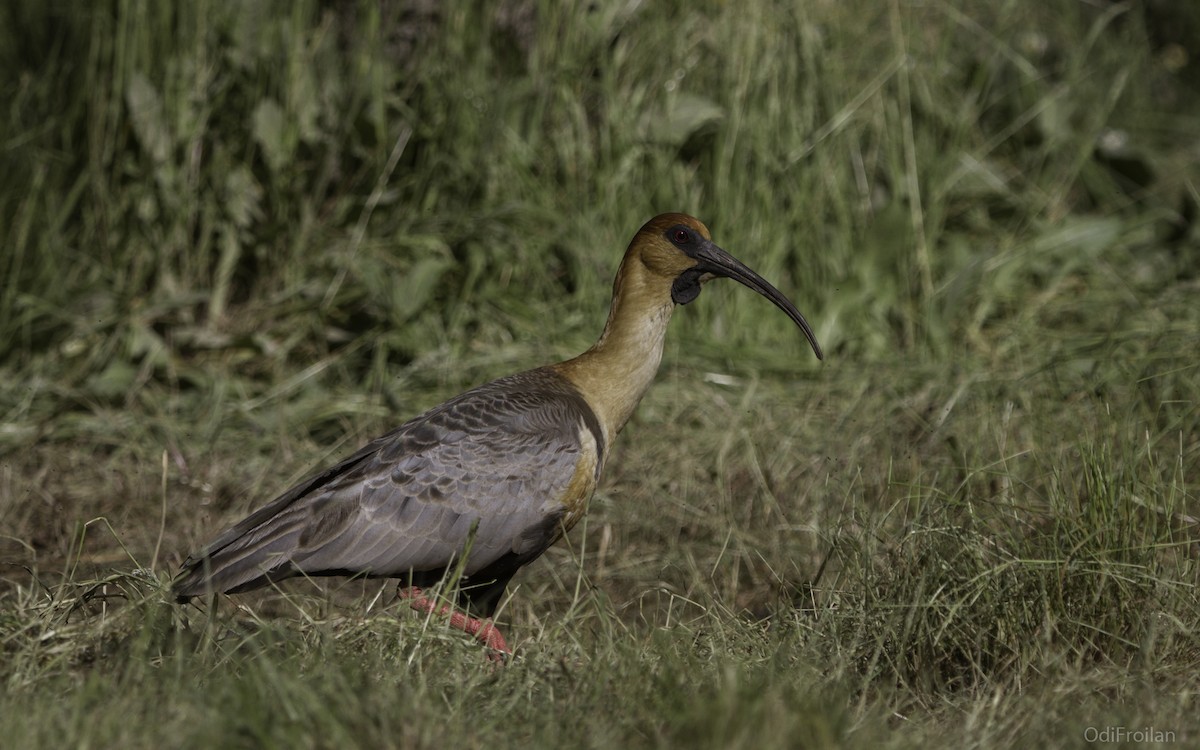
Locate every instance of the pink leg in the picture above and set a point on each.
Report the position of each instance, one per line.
(484, 630)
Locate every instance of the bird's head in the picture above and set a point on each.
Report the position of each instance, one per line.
(679, 248)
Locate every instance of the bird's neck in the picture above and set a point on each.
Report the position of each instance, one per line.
(614, 374)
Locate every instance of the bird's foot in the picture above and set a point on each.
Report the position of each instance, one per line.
(483, 630)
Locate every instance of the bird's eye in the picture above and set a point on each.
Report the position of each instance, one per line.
(682, 237)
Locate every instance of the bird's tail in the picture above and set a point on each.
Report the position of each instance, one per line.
(239, 560)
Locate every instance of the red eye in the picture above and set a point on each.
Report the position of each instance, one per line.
(682, 237)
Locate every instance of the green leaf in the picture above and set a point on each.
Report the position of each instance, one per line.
(270, 131)
(146, 113)
(414, 289)
(684, 116)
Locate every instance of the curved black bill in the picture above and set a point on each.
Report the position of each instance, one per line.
(716, 261)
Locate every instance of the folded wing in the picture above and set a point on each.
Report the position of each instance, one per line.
(500, 459)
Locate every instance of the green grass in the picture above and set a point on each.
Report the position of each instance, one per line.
(243, 238)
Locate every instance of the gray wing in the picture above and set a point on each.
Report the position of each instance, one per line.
(501, 456)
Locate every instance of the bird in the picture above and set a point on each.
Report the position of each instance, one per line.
(486, 482)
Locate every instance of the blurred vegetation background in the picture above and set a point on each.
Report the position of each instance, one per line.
(239, 238)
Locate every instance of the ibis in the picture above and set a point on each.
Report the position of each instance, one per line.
(485, 482)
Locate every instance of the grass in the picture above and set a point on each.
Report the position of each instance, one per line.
(244, 238)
